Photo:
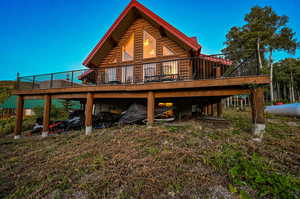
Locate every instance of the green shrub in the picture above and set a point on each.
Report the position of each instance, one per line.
(255, 172)
(55, 113)
(7, 126)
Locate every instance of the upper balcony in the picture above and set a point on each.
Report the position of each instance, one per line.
(204, 67)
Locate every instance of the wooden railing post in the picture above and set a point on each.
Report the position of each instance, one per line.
(19, 116)
(46, 118)
(150, 107)
(89, 113)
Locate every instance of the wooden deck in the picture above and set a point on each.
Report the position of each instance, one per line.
(213, 87)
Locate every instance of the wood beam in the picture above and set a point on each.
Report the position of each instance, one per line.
(121, 95)
(143, 95)
(257, 105)
(201, 93)
(220, 108)
(162, 32)
(205, 109)
(210, 110)
(89, 113)
(150, 107)
(113, 41)
(19, 116)
(46, 116)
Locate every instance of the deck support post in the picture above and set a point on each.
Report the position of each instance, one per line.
(150, 107)
(46, 116)
(19, 116)
(206, 110)
(211, 110)
(257, 107)
(220, 108)
(89, 113)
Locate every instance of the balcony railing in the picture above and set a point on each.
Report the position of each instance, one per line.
(180, 69)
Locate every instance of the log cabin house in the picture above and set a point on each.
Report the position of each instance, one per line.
(144, 59)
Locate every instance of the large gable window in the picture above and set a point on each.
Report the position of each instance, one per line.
(128, 49)
(167, 51)
(149, 45)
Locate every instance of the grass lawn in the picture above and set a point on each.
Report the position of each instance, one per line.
(191, 159)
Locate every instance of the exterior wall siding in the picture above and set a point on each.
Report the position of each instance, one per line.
(137, 27)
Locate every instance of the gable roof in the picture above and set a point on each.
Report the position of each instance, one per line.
(134, 6)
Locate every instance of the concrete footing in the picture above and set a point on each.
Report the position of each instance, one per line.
(16, 137)
(258, 129)
(44, 134)
(88, 130)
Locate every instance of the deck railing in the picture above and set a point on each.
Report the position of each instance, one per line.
(180, 69)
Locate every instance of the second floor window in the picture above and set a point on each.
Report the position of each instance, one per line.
(149, 45)
(149, 72)
(127, 74)
(128, 49)
(110, 74)
(170, 70)
(167, 51)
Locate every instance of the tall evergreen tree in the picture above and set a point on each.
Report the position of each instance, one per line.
(264, 30)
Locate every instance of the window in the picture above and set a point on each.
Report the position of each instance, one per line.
(167, 51)
(128, 49)
(149, 71)
(149, 45)
(110, 74)
(170, 70)
(127, 74)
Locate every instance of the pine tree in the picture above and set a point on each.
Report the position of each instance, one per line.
(264, 30)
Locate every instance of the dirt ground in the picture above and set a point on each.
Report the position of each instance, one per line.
(186, 159)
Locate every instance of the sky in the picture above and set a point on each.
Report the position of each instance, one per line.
(45, 36)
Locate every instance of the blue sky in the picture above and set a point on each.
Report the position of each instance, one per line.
(44, 36)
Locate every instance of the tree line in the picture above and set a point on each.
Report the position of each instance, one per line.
(265, 32)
